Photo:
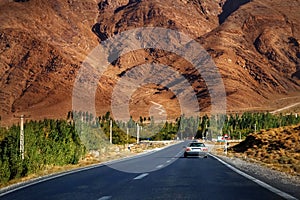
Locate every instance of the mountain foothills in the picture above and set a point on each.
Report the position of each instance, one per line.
(255, 45)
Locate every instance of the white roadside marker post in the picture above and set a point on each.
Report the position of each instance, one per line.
(137, 134)
(110, 132)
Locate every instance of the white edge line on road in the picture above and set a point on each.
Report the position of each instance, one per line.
(141, 176)
(38, 180)
(18, 186)
(261, 183)
(105, 198)
(159, 166)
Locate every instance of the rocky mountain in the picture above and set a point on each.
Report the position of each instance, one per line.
(257, 51)
(255, 45)
(41, 47)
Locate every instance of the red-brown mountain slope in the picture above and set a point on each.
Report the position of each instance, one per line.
(255, 45)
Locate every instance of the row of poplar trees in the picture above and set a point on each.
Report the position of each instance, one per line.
(61, 142)
(47, 143)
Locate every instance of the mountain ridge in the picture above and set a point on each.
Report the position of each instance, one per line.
(42, 46)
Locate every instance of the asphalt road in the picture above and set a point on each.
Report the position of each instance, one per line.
(164, 174)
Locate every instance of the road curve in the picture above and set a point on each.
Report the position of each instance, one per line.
(164, 174)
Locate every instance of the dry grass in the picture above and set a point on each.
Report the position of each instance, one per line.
(278, 149)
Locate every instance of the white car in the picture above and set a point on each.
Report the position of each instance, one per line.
(196, 149)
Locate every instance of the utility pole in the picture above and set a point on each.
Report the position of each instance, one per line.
(254, 128)
(137, 133)
(181, 130)
(127, 133)
(110, 132)
(22, 135)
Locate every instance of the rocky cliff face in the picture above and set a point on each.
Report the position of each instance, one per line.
(41, 47)
(255, 45)
(195, 17)
(257, 51)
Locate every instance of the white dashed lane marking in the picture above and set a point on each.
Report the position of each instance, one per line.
(105, 198)
(141, 176)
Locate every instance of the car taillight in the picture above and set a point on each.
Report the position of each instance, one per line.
(205, 149)
(188, 149)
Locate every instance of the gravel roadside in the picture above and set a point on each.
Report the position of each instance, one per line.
(282, 181)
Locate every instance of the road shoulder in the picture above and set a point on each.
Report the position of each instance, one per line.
(285, 182)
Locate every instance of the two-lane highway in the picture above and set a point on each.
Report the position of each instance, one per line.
(164, 174)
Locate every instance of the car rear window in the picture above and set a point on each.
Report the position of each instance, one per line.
(197, 145)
